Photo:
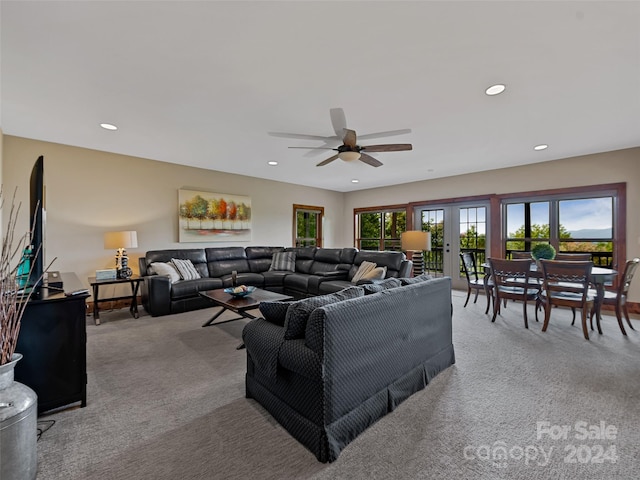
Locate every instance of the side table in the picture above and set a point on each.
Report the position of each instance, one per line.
(134, 281)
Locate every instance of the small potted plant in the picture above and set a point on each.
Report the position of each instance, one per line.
(543, 251)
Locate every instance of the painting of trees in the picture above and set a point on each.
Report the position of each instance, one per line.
(207, 217)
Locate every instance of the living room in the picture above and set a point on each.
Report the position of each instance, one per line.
(93, 189)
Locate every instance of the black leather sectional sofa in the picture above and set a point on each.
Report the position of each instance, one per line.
(317, 271)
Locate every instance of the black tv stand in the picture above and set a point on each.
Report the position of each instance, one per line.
(52, 340)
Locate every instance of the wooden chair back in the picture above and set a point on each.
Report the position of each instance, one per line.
(469, 265)
(566, 282)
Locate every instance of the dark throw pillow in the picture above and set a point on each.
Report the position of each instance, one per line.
(376, 287)
(298, 312)
(420, 278)
(274, 312)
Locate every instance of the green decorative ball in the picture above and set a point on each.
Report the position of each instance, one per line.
(543, 250)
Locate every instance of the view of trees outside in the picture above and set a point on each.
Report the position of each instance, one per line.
(306, 228)
(381, 230)
(585, 225)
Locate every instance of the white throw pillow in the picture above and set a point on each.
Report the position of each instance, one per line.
(166, 269)
(186, 269)
(377, 273)
(364, 268)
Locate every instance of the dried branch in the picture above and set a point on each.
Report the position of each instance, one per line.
(13, 299)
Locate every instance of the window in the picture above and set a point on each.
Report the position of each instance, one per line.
(307, 226)
(381, 229)
(573, 224)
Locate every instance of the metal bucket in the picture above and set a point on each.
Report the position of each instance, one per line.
(18, 426)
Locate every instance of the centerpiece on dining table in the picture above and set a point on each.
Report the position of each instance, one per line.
(544, 251)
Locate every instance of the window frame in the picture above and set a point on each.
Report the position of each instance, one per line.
(617, 191)
(383, 211)
(319, 212)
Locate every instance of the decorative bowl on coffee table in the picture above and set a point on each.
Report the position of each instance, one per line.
(239, 294)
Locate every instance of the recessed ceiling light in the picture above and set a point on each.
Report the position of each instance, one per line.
(541, 147)
(495, 89)
(108, 126)
(355, 180)
(272, 163)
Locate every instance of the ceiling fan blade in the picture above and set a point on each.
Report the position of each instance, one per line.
(315, 148)
(390, 133)
(369, 160)
(302, 136)
(349, 138)
(328, 160)
(339, 121)
(393, 147)
(318, 150)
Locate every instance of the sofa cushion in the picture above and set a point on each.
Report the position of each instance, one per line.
(185, 268)
(168, 269)
(420, 278)
(364, 268)
(298, 312)
(274, 312)
(283, 262)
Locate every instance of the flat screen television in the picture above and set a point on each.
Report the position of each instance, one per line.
(38, 218)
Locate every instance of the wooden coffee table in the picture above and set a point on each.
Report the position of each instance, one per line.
(242, 305)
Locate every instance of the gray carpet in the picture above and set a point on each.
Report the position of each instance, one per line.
(166, 401)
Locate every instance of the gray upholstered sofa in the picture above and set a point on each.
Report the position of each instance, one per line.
(317, 270)
(329, 369)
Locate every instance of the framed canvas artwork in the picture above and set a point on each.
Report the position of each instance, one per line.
(213, 217)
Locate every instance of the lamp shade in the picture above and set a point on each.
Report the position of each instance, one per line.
(115, 240)
(416, 240)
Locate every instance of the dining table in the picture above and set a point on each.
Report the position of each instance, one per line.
(600, 276)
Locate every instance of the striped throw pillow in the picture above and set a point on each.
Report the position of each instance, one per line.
(283, 262)
(186, 269)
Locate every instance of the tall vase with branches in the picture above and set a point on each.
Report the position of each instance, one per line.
(13, 299)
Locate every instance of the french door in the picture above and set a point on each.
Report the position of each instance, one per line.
(454, 228)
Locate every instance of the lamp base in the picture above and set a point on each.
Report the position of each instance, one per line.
(418, 263)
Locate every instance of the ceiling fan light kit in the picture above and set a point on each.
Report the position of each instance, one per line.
(350, 151)
(349, 156)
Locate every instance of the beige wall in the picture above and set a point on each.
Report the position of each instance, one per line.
(610, 167)
(91, 192)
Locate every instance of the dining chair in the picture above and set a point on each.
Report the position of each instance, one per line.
(618, 298)
(573, 257)
(474, 282)
(511, 281)
(566, 284)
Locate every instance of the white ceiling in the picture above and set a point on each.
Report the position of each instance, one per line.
(201, 83)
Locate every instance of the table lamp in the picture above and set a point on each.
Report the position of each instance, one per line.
(121, 241)
(416, 242)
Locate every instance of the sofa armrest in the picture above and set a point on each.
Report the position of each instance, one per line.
(158, 289)
(333, 274)
(263, 340)
(297, 357)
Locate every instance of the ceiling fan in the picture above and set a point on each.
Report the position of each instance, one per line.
(349, 150)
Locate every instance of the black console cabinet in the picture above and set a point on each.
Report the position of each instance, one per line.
(53, 340)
